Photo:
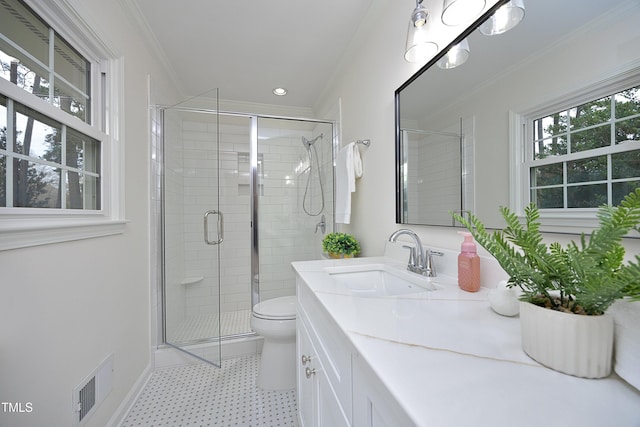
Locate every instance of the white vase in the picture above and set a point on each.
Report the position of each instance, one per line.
(574, 344)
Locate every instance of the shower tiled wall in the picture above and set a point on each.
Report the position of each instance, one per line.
(174, 225)
(201, 194)
(433, 174)
(286, 233)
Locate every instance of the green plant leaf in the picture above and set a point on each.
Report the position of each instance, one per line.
(589, 275)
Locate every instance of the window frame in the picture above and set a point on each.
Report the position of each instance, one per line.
(25, 227)
(574, 220)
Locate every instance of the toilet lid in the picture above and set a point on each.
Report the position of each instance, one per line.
(276, 308)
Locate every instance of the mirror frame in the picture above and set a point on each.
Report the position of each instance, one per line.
(466, 33)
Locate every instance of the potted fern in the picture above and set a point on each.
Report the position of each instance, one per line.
(572, 285)
(340, 245)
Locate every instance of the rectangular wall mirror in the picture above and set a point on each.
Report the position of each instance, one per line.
(455, 127)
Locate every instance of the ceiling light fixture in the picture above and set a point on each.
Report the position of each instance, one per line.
(280, 91)
(419, 47)
(456, 56)
(457, 12)
(505, 18)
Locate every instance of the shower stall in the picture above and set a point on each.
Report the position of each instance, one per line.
(243, 195)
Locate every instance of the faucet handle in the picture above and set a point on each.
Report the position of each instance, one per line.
(412, 256)
(429, 264)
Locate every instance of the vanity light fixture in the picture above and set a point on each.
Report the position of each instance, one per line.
(457, 12)
(280, 91)
(419, 47)
(505, 18)
(456, 56)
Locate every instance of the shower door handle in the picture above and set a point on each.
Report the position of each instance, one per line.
(219, 227)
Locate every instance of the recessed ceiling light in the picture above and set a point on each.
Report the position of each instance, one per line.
(280, 91)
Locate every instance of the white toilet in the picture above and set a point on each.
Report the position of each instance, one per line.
(275, 320)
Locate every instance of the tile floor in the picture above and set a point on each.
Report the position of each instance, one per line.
(204, 326)
(203, 395)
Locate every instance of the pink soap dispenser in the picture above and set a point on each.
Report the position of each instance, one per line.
(468, 265)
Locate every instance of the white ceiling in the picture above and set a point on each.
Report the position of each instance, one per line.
(247, 48)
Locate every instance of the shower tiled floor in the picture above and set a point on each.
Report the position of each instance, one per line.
(206, 325)
(203, 395)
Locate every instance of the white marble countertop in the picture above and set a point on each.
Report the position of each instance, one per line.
(449, 360)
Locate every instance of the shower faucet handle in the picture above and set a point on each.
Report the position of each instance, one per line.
(321, 225)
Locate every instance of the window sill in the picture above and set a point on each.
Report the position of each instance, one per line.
(23, 234)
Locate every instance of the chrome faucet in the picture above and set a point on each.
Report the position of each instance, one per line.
(419, 261)
(416, 255)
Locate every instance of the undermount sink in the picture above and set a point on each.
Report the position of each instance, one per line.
(376, 280)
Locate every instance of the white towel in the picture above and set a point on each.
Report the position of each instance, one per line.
(348, 168)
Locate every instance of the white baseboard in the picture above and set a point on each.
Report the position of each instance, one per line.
(127, 404)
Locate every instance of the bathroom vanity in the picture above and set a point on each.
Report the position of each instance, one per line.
(388, 357)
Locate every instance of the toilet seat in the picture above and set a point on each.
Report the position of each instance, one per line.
(283, 308)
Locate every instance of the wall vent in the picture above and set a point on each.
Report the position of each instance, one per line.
(92, 390)
(87, 399)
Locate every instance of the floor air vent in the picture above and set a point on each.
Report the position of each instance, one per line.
(92, 390)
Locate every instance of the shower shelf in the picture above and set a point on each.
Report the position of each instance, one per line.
(192, 280)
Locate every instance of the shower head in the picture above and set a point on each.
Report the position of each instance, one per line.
(307, 144)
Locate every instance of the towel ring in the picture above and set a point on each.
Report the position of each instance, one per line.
(365, 142)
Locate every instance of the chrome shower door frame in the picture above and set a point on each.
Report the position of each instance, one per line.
(253, 188)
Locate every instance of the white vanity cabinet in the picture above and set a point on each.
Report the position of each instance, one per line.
(378, 361)
(373, 405)
(335, 387)
(323, 367)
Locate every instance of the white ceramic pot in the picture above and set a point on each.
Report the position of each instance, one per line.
(570, 343)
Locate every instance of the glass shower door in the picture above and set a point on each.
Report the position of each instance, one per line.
(193, 232)
(293, 199)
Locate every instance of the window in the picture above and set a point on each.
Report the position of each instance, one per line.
(35, 58)
(587, 155)
(58, 148)
(45, 164)
(576, 153)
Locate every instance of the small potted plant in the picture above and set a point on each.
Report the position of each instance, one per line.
(573, 284)
(340, 245)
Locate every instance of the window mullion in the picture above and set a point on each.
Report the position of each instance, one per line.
(10, 134)
(52, 39)
(63, 170)
(569, 148)
(609, 180)
(565, 182)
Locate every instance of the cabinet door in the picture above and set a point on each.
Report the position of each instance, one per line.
(373, 405)
(306, 385)
(330, 412)
(318, 404)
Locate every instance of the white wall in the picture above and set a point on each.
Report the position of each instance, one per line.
(65, 307)
(365, 83)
